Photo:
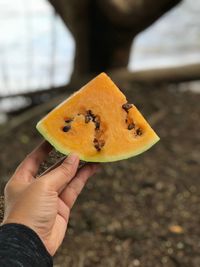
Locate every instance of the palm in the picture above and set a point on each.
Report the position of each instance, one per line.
(57, 234)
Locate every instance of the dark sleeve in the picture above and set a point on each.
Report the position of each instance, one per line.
(21, 247)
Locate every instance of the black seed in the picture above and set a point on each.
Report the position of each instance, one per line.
(87, 118)
(96, 120)
(66, 128)
(98, 144)
(97, 147)
(139, 131)
(68, 120)
(127, 106)
(101, 143)
(95, 140)
(131, 126)
(97, 125)
(89, 112)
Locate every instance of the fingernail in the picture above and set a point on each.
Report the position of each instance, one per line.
(72, 158)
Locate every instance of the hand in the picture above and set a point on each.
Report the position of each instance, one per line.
(44, 204)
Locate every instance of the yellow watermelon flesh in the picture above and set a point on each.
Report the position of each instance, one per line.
(98, 124)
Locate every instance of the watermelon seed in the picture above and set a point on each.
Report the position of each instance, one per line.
(127, 106)
(66, 128)
(88, 118)
(96, 120)
(131, 126)
(101, 143)
(139, 131)
(89, 112)
(68, 120)
(97, 125)
(97, 147)
(98, 144)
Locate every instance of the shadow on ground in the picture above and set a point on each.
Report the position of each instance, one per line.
(139, 212)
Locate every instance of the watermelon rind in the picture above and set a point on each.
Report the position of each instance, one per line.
(98, 157)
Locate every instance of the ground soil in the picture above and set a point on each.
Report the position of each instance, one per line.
(138, 212)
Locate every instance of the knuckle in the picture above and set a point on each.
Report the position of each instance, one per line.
(32, 158)
(74, 191)
(43, 183)
(66, 213)
(81, 183)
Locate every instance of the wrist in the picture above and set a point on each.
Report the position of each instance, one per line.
(18, 237)
(25, 223)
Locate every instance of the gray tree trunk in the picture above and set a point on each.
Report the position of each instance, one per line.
(104, 29)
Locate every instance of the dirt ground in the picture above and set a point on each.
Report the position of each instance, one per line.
(138, 212)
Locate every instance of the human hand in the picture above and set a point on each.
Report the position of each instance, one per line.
(44, 204)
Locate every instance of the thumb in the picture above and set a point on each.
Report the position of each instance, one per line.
(63, 174)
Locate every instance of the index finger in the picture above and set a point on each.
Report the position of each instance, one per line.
(31, 163)
(74, 188)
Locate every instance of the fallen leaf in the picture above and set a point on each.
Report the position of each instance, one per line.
(176, 229)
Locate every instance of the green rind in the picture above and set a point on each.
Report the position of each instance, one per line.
(64, 151)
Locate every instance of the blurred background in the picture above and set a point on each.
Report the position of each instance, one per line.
(139, 212)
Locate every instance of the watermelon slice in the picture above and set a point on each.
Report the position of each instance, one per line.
(98, 124)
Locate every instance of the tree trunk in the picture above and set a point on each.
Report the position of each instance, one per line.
(104, 29)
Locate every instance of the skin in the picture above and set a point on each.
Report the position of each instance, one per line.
(44, 204)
